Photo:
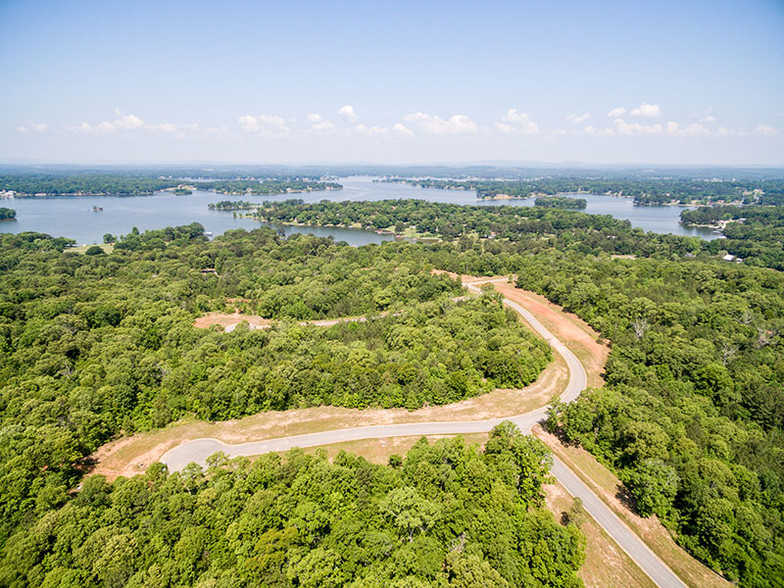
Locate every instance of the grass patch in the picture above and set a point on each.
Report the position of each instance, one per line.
(107, 248)
(606, 564)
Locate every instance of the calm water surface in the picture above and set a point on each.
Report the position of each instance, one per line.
(73, 217)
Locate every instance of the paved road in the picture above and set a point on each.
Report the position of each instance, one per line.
(621, 534)
(199, 449)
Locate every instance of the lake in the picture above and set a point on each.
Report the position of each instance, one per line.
(73, 217)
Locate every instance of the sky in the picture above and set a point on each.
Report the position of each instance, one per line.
(167, 81)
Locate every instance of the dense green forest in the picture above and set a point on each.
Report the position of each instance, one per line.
(232, 205)
(7, 213)
(121, 184)
(266, 187)
(693, 411)
(534, 229)
(692, 417)
(749, 229)
(561, 202)
(643, 190)
(93, 346)
(447, 515)
(57, 185)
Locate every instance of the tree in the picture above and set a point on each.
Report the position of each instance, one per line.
(469, 571)
(409, 511)
(654, 485)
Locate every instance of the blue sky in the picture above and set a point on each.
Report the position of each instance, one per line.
(393, 82)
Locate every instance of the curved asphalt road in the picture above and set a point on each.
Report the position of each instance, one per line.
(198, 450)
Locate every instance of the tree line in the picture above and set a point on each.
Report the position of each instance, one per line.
(537, 228)
(755, 232)
(267, 187)
(98, 184)
(645, 191)
(562, 202)
(446, 515)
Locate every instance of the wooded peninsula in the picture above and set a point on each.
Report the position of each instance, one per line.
(645, 191)
(29, 185)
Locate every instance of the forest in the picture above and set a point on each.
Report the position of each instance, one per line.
(232, 205)
(561, 202)
(535, 228)
(7, 213)
(691, 418)
(446, 515)
(750, 229)
(692, 414)
(266, 187)
(97, 346)
(645, 191)
(124, 184)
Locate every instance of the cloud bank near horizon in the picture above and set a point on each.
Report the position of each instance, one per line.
(624, 122)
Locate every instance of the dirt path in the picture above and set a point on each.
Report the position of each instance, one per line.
(229, 322)
(568, 327)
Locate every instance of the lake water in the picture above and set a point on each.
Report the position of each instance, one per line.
(73, 217)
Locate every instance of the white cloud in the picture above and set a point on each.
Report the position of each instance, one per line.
(723, 131)
(515, 122)
(695, 129)
(671, 128)
(397, 131)
(589, 130)
(626, 128)
(692, 130)
(268, 125)
(458, 124)
(363, 130)
(347, 112)
(318, 123)
(766, 130)
(401, 130)
(708, 116)
(31, 126)
(643, 110)
(124, 123)
(578, 118)
(646, 110)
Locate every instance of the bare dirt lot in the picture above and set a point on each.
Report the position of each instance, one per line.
(224, 320)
